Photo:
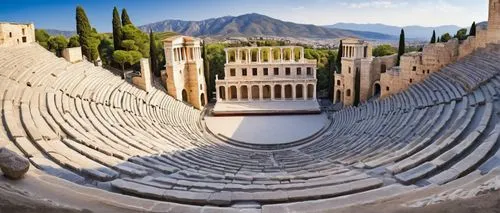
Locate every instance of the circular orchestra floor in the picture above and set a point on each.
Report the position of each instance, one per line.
(278, 129)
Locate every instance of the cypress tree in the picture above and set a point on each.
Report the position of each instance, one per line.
(84, 32)
(433, 39)
(339, 58)
(117, 30)
(473, 29)
(439, 40)
(125, 18)
(401, 49)
(152, 54)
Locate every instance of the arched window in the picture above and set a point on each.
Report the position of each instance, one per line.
(277, 91)
(348, 93)
(184, 95)
(338, 82)
(202, 99)
(222, 93)
(383, 68)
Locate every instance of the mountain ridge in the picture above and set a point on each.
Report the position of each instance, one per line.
(254, 24)
(411, 31)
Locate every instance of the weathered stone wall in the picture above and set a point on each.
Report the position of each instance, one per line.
(184, 70)
(14, 34)
(494, 21)
(144, 81)
(73, 55)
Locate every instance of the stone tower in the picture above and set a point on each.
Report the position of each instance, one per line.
(494, 21)
(185, 77)
(355, 80)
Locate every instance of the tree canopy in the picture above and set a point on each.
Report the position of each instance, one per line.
(74, 41)
(117, 30)
(42, 37)
(461, 34)
(125, 18)
(57, 44)
(473, 29)
(383, 50)
(445, 37)
(401, 49)
(433, 38)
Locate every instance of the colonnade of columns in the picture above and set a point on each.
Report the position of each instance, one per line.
(186, 53)
(353, 51)
(261, 92)
(245, 54)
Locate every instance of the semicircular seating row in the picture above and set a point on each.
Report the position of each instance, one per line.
(84, 124)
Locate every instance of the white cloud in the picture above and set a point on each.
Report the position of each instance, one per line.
(375, 4)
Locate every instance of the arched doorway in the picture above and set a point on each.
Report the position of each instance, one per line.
(233, 93)
(222, 93)
(376, 89)
(202, 99)
(266, 90)
(288, 91)
(244, 92)
(277, 92)
(338, 97)
(255, 92)
(299, 91)
(184, 95)
(310, 91)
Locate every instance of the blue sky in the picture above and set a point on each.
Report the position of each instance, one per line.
(60, 14)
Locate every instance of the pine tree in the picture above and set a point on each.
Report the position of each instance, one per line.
(117, 30)
(401, 49)
(152, 54)
(125, 18)
(473, 29)
(433, 39)
(84, 32)
(339, 58)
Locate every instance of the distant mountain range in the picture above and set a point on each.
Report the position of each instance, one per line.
(65, 33)
(258, 25)
(415, 32)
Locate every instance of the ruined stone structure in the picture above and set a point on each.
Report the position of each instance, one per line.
(185, 79)
(358, 65)
(73, 54)
(267, 74)
(414, 67)
(494, 21)
(14, 33)
(144, 81)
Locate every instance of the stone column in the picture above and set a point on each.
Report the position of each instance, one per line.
(314, 91)
(292, 54)
(249, 56)
(226, 88)
(217, 92)
(270, 55)
(282, 92)
(238, 56)
(304, 91)
(238, 93)
(302, 54)
(258, 55)
(272, 92)
(261, 92)
(250, 92)
(281, 55)
(294, 92)
(227, 56)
